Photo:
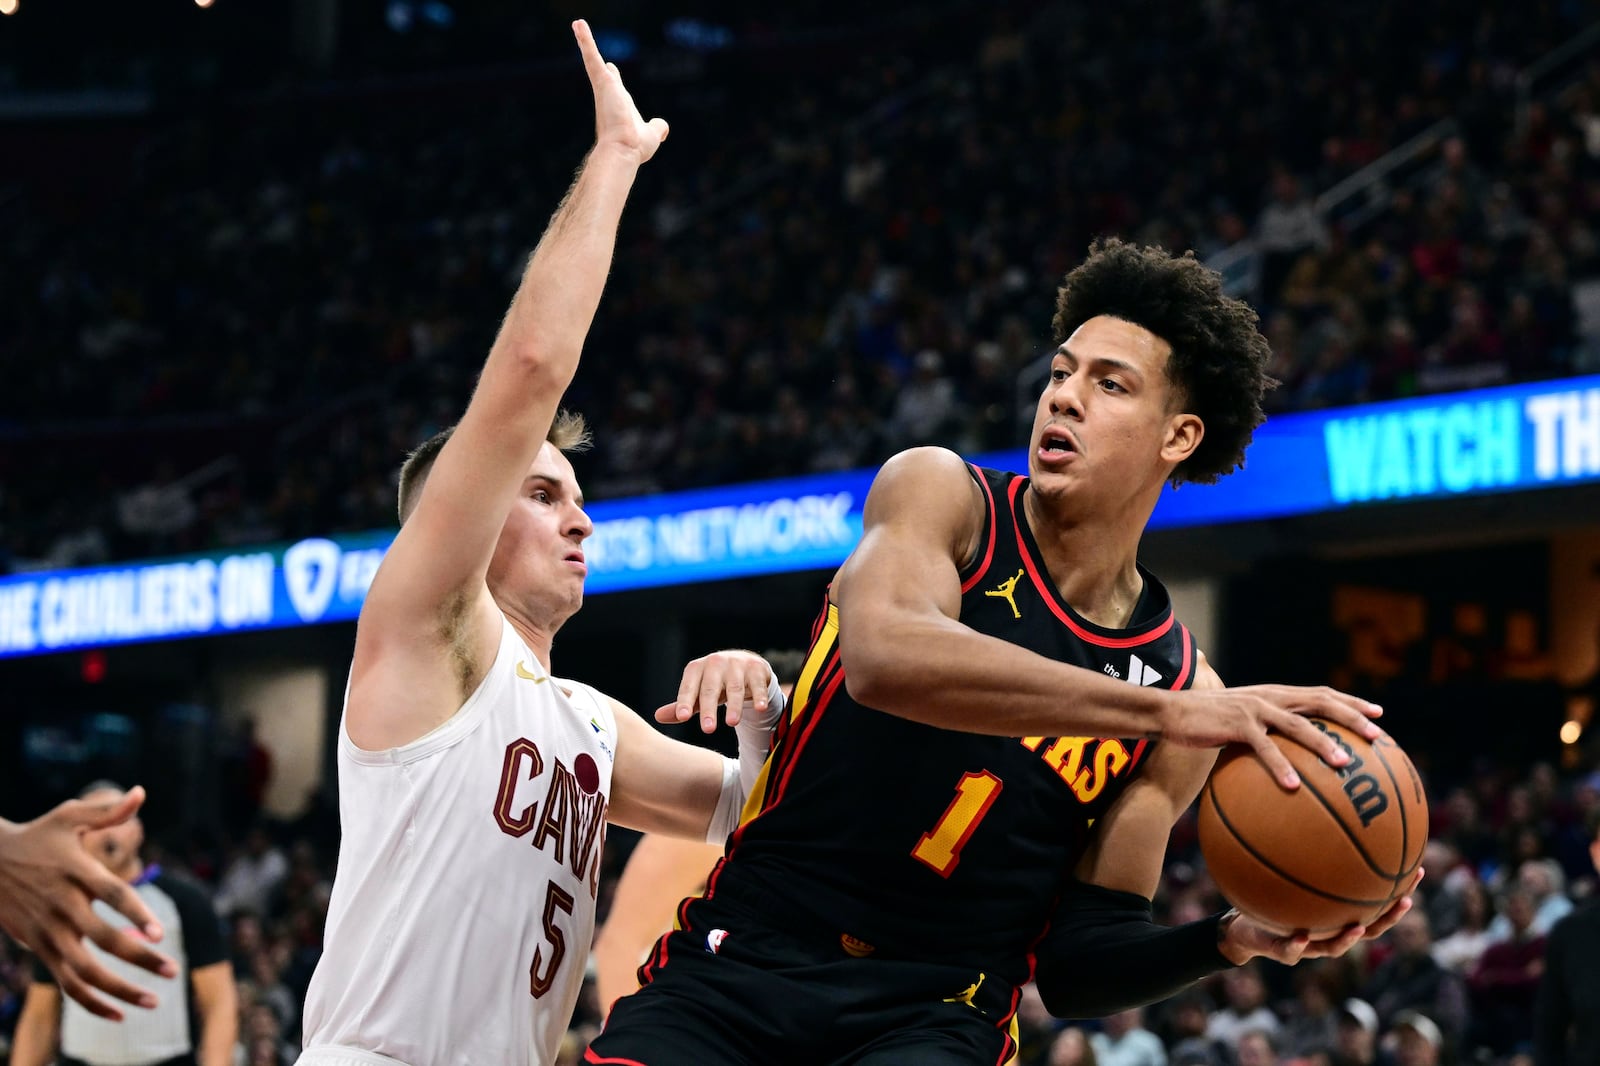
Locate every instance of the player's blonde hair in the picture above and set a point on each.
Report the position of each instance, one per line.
(569, 433)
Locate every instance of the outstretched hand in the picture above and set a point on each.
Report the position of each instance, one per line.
(48, 881)
(1213, 717)
(1245, 938)
(616, 118)
(722, 680)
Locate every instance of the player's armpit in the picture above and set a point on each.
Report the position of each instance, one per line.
(660, 785)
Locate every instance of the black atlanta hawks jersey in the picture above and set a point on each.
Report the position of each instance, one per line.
(916, 842)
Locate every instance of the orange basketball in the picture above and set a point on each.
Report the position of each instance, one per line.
(1336, 851)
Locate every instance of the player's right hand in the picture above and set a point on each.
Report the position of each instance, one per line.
(1243, 938)
(1213, 717)
(725, 681)
(616, 119)
(48, 881)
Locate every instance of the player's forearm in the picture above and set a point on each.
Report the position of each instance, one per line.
(219, 1032)
(33, 1044)
(560, 290)
(942, 673)
(1105, 954)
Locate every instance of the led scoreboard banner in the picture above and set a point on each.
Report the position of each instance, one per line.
(1493, 440)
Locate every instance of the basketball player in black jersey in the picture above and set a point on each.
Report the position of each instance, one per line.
(999, 721)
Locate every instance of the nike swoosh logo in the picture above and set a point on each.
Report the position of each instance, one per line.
(522, 672)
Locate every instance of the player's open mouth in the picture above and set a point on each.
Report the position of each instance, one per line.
(1056, 446)
(576, 558)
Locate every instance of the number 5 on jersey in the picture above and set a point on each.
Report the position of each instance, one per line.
(940, 847)
(555, 898)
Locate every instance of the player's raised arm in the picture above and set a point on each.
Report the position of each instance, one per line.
(428, 613)
(905, 652)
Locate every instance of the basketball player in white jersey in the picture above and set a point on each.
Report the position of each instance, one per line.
(474, 784)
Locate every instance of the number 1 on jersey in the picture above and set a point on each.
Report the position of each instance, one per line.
(940, 847)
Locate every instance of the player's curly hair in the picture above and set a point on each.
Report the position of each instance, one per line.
(1219, 357)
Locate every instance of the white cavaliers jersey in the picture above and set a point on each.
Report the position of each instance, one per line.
(463, 906)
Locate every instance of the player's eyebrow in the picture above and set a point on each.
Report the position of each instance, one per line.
(556, 484)
(1101, 361)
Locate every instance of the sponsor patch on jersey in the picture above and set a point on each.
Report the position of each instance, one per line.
(600, 731)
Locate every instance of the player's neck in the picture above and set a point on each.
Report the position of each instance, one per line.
(1094, 561)
(538, 636)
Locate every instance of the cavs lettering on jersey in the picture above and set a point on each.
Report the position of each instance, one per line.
(464, 901)
(923, 843)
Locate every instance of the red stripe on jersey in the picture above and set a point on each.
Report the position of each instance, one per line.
(824, 682)
(775, 788)
(988, 551)
(1048, 593)
(656, 960)
(1008, 1047)
(591, 1057)
(815, 716)
(1188, 656)
(711, 884)
(822, 617)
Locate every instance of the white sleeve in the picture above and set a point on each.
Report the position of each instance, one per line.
(739, 776)
(755, 733)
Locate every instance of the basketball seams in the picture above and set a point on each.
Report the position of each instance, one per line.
(1249, 849)
(1405, 839)
(1366, 857)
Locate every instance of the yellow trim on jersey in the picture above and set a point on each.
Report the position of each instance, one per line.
(752, 802)
(815, 661)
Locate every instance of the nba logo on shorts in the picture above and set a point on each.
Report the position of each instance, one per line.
(714, 940)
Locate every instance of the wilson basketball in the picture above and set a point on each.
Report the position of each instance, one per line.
(1336, 851)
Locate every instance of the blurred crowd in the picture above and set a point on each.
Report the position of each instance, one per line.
(233, 320)
(1456, 981)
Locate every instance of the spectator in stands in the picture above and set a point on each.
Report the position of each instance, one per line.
(1357, 1037)
(1459, 951)
(1188, 1015)
(1071, 1047)
(1124, 1041)
(1418, 1041)
(1411, 979)
(1288, 226)
(264, 1029)
(1567, 1021)
(925, 410)
(1545, 885)
(1257, 1048)
(1312, 1022)
(1245, 1008)
(1507, 977)
(201, 994)
(253, 876)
